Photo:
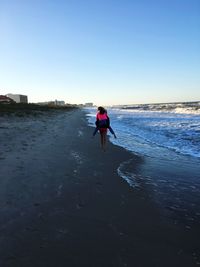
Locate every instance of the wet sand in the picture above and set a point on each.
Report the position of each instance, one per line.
(62, 202)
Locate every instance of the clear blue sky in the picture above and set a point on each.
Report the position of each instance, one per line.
(101, 51)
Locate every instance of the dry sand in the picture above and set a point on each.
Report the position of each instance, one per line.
(62, 202)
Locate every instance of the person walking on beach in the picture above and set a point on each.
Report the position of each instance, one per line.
(102, 124)
(109, 127)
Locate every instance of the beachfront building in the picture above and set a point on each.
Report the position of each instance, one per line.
(53, 103)
(18, 98)
(6, 100)
(59, 103)
(88, 104)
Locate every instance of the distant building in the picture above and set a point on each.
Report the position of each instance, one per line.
(88, 104)
(18, 98)
(6, 99)
(59, 103)
(54, 103)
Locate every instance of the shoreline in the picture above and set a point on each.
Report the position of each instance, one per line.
(61, 196)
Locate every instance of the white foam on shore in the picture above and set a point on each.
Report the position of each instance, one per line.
(129, 177)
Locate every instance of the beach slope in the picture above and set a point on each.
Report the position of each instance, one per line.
(62, 202)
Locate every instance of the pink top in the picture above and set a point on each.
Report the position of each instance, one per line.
(101, 116)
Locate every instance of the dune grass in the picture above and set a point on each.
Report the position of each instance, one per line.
(23, 109)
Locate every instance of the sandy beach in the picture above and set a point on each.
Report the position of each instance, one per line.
(63, 203)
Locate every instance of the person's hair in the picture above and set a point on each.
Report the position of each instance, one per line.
(101, 110)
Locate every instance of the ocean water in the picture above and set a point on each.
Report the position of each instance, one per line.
(167, 139)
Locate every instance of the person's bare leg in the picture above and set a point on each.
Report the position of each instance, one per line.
(104, 141)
